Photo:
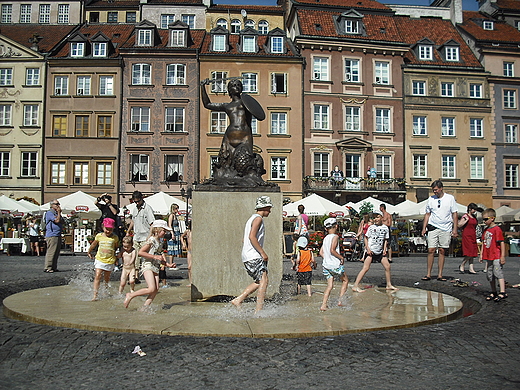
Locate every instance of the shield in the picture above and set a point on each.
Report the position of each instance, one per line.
(253, 106)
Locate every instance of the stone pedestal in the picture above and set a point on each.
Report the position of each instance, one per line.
(218, 223)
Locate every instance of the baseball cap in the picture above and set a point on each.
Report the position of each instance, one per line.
(302, 242)
(160, 223)
(263, 201)
(329, 222)
(377, 212)
(109, 223)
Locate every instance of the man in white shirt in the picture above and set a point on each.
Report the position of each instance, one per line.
(440, 222)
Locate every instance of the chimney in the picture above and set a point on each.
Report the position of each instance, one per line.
(456, 11)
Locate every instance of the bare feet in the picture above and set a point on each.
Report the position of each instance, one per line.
(128, 298)
(323, 308)
(393, 288)
(237, 304)
(358, 289)
(95, 298)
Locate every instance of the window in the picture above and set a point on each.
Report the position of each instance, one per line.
(45, 14)
(250, 82)
(6, 76)
(83, 85)
(61, 85)
(509, 98)
(278, 83)
(475, 91)
(263, 27)
(30, 115)
(112, 17)
(383, 166)
(352, 118)
(321, 164)
(382, 72)
(175, 74)
(81, 173)
(249, 23)
(353, 165)
(173, 167)
(509, 69)
(517, 24)
(189, 20)
(141, 74)
(419, 125)
(94, 17)
(29, 164)
(321, 116)
(254, 125)
(166, 20)
(213, 160)
(383, 120)
(59, 125)
(249, 44)
(58, 173)
(139, 167)
(448, 127)
(25, 13)
(419, 165)
(278, 123)
(63, 13)
(512, 176)
(236, 26)
(487, 25)
(7, 13)
(177, 38)
(418, 88)
(448, 167)
(77, 49)
(99, 49)
(351, 70)
(321, 68)
(351, 26)
(218, 122)
(278, 168)
(32, 76)
(220, 84)
(511, 134)
(222, 23)
(5, 163)
(174, 119)
(425, 52)
(476, 129)
(219, 42)
(106, 85)
(452, 53)
(81, 127)
(104, 173)
(104, 126)
(447, 89)
(144, 38)
(5, 115)
(140, 119)
(277, 44)
(476, 164)
(131, 17)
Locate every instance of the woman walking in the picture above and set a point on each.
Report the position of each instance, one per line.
(468, 223)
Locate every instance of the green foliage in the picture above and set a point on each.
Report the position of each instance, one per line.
(366, 208)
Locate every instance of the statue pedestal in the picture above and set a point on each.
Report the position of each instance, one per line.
(218, 223)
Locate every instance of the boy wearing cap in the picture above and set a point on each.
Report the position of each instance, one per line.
(332, 262)
(304, 264)
(376, 244)
(253, 255)
(105, 259)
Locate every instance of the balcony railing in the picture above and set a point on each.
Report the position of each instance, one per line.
(316, 183)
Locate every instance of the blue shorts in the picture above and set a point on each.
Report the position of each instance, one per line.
(330, 273)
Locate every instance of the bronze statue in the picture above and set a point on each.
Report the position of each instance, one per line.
(237, 165)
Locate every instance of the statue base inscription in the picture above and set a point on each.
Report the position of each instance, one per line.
(218, 228)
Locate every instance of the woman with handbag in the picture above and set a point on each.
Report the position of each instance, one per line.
(468, 223)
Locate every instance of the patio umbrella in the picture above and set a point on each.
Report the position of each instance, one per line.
(314, 205)
(77, 202)
(502, 211)
(375, 203)
(9, 204)
(510, 216)
(161, 203)
(29, 206)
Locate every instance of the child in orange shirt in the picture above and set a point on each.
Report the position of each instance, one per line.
(304, 264)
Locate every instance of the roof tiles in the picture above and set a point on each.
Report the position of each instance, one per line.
(347, 4)
(502, 32)
(50, 35)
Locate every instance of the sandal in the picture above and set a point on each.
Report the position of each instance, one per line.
(500, 296)
(426, 278)
(491, 297)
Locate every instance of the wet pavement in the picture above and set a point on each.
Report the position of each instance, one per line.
(478, 351)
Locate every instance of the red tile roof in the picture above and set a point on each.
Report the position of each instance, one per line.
(502, 32)
(197, 37)
(112, 4)
(51, 35)
(347, 4)
(233, 41)
(508, 4)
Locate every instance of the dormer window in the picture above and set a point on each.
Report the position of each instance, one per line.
(177, 38)
(99, 49)
(451, 51)
(236, 26)
(349, 22)
(426, 52)
(219, 39)
(351, 26)
(77, 49)
(487, 25)
(144, 38)
(179, 34)
(249, 44)
(276, 44)
(452, 54)
(276, 41)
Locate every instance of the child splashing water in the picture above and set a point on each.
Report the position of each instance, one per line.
(153, 256)
(105, 259)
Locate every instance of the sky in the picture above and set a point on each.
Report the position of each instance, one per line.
(467, 5)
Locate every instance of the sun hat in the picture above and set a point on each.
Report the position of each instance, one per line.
(263, 201)
(377, 212)
(109, 223)
(160, 223)
(329, 222)
(302, 242)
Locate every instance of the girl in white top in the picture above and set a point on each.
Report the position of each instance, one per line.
(332, 262)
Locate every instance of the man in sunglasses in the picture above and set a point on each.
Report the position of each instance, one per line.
(53, 228)
(439, 225)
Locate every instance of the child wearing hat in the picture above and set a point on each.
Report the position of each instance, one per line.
(304, 264)
(105, 259)
(253, 254)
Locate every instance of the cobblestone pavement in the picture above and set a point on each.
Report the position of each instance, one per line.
(480, 351)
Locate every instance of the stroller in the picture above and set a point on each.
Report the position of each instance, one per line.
(351, 247)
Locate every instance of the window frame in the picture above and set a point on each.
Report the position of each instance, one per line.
(142, 161)
(384, 166)
(58, 172)
(63, 13)
(476, 170)
(176, 74)
(99, 49)
(278, 167)
(5, 163)
(140, 118)
(448, 126)
(511, 179)
(420, 165)
(25, 13)
(420, 125)
(6, 76)
(141, 74)
(277, 44)
(351, 166)
(144, 37)
(218, 122)
(104, 127)
(321, 164)
(44, 14)
(383, 123)
(29, 164)
(103, 175)
(171, 164)
(83, 85)
(166, 20)
(106, 88)
(250, 82)
(275, 82)
(452, 54)
(173, 122)
(425, 52)
(476, 128)
(321, 68)
(447, 89)
(475, 91)
(81, 173)
(61, 85)
(81, 126)
(508, 69)
(382, 71)
(448, 166)
(31, 115)
(220, 86)
(511, 133)
(354, 75)
(509, 99)
(352, 118)
(278, 123)
(6, 114)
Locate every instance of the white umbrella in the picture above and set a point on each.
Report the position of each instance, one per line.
(314, 205)
(418, 211)
(31, 207)
(8, 204)
(77, 202)
(375, 203)
(513, 215)
(161, 203)
(501, 211)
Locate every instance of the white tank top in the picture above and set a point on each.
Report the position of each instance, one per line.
(330, 261)
(248, 251)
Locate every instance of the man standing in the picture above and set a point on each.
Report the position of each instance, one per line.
(53, 228)
(141, 219)
(440, 222)
(110, 210)
(387, 220)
